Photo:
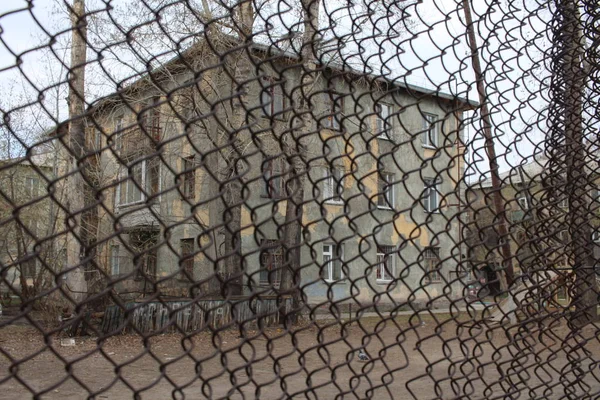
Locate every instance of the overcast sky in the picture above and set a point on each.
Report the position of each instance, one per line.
(435, 55)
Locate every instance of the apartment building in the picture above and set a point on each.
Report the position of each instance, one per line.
(383, 161)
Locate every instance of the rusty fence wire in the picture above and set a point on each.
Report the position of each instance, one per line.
(299, 199)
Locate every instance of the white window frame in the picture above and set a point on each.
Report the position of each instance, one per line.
(384, 256)
(329, 255)
(431, 187)
(523, 202)
(144, 184)
(382, 118)
(118, 134)
(334, 110)
(332, 190)
(388, 191)
(115, 261)
(430, 131)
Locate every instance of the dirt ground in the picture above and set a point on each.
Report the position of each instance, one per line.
(410, 358)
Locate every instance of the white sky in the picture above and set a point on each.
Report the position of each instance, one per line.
(23, 30)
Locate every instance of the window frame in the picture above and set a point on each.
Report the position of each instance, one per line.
(427, 126)
(386, 198)
(385, 254)
(151, 118)
(432, 264)
(188, 174)
(332, 190)
(335, 254)
(334, 110)
(129, 182)
(118, 132)
(115, 261)
(428, 185)
(523, 202)
(271, 91)
(381, 130)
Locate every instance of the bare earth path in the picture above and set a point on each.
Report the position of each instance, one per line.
(438, 359)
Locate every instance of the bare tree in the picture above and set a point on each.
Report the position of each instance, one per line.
(570, 68)
(76, 284)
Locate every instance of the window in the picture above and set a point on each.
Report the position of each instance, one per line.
(273, 171)
(523, 203)
(187, 257)
(334, 185)
(431, 255)
(385, 190)
(272, 99)
(430, 130)
(386, 268)
(129, 192)
(332, 260)
(151, 119)
(144, 174)
(271, 262)
(93, 137)
(384, 126)
(189, 177)
(118, 134)
(32, 187)
(596, 234)
(115, 267)
(334, 106)
(431, 201)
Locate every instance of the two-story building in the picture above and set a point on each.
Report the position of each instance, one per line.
(383, 164)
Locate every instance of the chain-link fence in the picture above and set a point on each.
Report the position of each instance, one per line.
(307, 198)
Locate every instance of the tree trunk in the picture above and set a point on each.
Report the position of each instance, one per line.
(571, 72)
(76, 193)
(292, 236)
(507, 275)
(241, 63)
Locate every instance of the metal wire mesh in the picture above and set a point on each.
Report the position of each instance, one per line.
(316, 199)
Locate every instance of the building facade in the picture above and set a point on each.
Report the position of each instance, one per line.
(383, 162)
